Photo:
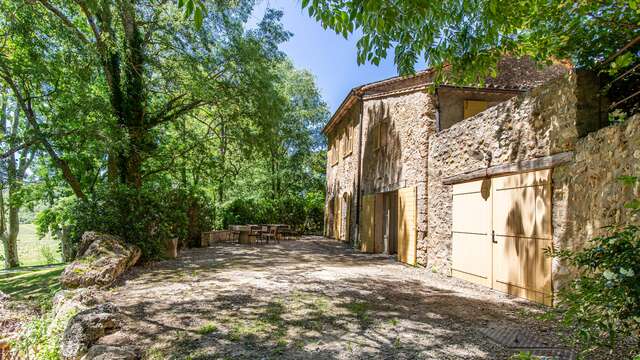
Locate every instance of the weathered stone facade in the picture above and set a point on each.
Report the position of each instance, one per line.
(531, 125)
(410, 121)
(588, 195)
(341, 177)
(561, 116)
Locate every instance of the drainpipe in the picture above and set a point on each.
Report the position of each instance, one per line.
(358, 179)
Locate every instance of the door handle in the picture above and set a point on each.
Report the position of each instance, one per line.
(493, 237)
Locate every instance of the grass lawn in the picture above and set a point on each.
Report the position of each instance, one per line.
(31, 283)
(33, 251)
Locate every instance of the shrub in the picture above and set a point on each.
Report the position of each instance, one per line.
(303, 212)
(49, 256)
(602, 303)
(147, 217)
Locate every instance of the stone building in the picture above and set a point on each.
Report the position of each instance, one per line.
(476, 182)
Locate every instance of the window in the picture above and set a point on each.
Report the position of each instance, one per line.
(384, 132)
(380, 135)
(347, 141)
(375, 136)
(335, 148)
(472, 107)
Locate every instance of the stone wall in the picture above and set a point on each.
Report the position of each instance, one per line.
(341, 177)
(410, 121)
(538, 123)
(587, 194)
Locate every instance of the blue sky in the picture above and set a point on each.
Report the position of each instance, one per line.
(327, 55)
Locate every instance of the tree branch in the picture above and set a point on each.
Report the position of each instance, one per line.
(65, 20)
(25, 103)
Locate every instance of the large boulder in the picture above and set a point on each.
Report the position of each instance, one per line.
(85, 328)
(101, 259)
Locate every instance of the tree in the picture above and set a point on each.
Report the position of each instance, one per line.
(12, 173)
(472, 35)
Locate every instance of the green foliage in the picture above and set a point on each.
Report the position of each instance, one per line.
(207, 329)
(146, 218)
(603, 303)
(218, 114)
(524, 355)
(49, 256)
(472, 35)
(304, 213)
(36, 342)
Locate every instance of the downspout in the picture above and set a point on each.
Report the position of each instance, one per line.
(358, 180)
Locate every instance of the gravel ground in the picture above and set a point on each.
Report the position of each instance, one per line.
(311, 299)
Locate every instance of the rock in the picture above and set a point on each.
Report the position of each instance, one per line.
(108, 352)
(101, 259)
(85, 328)
(66, 304)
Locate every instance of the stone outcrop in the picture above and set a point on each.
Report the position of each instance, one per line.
(101, 259)
(85, 328)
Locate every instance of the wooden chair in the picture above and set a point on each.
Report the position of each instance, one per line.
(270, 233)
(234, 234)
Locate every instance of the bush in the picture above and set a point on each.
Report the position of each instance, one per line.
(304, 213)
(146, 218)
(602, 304)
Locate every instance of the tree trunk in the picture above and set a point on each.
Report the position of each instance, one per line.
(11, 241)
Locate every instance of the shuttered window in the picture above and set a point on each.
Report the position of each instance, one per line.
(348, 140)
(472, 107)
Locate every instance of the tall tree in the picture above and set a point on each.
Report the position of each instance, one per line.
(14, 168)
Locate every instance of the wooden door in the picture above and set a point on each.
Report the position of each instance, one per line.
(378, 235)
(407, 230)
(337, 218)
(471, 232)
(522, 230)
(367, 229)
(347, 217)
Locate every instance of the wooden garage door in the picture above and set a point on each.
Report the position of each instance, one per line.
(367, 228)
(471, 232)
(500, 228)
(407, 230)
(522, 230)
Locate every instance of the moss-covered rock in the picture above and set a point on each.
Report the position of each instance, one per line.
(103, 258)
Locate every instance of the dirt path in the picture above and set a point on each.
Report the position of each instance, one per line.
(310, 299)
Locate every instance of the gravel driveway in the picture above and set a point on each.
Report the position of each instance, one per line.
(314, 299)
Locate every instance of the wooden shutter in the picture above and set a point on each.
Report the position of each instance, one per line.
(367, 223)
(378, 235)
(472, 107)
(347, 212)
(337, 218)
(407, 230)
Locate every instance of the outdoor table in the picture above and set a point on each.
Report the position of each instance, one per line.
(244, 231)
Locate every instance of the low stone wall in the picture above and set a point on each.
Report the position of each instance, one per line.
(587, 193)
(532, 125)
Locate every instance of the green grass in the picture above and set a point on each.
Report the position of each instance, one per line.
(32, 251)
(31, 284)
(207, 329)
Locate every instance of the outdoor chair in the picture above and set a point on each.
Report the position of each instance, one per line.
(234, 234)
(270, 233)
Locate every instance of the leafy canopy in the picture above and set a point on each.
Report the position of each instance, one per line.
(472, 35)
